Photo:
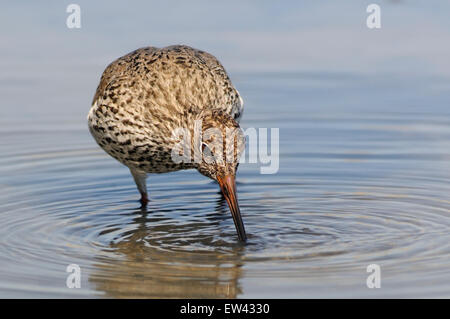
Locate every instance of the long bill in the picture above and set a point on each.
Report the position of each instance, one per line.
(228, 186)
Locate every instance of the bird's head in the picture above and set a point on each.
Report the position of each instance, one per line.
(222, 145)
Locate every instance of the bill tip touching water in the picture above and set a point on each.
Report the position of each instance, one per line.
(159, 110)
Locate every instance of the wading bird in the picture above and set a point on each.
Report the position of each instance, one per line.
(146, 96)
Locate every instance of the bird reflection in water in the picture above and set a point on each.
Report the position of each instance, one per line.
(165, 258)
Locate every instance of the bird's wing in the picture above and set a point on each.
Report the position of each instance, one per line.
(214, 64)
(176, 78)
(119, 68)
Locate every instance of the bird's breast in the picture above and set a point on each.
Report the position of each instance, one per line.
(131, 141)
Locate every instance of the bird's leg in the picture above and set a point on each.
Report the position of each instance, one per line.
(140, 180)
(144, 199)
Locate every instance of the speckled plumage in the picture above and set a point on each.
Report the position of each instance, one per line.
(144, 96)
(147, 93)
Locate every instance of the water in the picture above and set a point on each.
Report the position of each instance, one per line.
(363, 179)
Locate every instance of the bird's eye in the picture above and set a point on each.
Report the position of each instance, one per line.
(204, 146)
(206, 150)
(207, 154)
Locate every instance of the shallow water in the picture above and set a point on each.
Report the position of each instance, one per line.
(364, 125)
(361, 180)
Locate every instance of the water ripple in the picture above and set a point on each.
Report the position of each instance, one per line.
(77, 206)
